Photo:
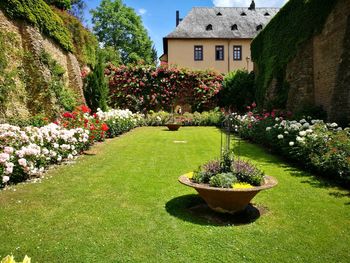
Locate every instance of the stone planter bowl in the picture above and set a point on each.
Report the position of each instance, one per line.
(228, 200)
(173, 126)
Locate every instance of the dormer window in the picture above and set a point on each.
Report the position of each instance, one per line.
(266, 14)
(209, 27)
(219, 14)
(259, 27)
(234, 27)
(243, 14)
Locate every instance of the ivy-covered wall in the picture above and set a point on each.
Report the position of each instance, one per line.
(40, 15)
(297, 22)
(50, 17)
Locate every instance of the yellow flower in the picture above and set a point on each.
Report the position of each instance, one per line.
(189, 175)
(26, 259)
(242, 185)
(8, 259)
(11, 259)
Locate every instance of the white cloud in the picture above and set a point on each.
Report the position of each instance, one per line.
(142, 11)
(246, 3)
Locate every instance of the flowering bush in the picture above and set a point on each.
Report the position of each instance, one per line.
(143, 88)
(119, 121)
(322, 147)
(26, 152)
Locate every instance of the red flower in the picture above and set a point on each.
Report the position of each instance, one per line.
(68, 115)
(85, 109)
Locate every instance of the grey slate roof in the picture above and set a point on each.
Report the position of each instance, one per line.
(195, 23)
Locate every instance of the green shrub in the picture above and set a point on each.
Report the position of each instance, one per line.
(39, 14)
(96, 89)
(238, 90)
(223, 180)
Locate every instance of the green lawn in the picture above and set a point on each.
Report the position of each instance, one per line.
(122, 203)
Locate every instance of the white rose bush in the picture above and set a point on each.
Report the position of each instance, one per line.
(26, 152)
(323, 148)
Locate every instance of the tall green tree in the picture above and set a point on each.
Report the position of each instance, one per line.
(96, 88)
(118, 26)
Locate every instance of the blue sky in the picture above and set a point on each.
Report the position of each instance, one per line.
(159, 15)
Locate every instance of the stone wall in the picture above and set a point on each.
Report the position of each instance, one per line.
(320, 73)
(30, 96)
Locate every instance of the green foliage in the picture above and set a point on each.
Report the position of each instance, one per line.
(61, 4)
(96, 88)
(118, 26)
(85, 43)
(280, 40)
(7, 77)
(238, 90)
(65, 97)
(205, 118)
(111, 55)
(38, 13)
(223, 180)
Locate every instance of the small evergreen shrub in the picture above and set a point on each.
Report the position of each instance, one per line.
(238, 90)
(96, 89)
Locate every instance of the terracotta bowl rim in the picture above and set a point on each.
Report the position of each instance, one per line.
(269, 182)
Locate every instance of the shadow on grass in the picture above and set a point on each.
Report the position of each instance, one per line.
(260, 154)
(192, 208)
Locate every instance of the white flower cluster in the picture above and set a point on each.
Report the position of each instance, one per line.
(30, 150)
(299, 131)
(117, 115)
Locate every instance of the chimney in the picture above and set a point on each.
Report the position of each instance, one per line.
(177, 17)
(252, 5)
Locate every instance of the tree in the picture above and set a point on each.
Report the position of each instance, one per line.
(154, 55)
(96, 88)
(118, 26)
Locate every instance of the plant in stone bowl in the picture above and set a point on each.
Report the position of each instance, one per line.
(228, 185)
(173, 124)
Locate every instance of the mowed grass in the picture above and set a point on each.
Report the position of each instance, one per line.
(122, 203)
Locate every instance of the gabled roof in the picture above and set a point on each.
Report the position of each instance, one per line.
(195, 24)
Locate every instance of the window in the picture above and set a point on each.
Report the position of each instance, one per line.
(219, 52)
(243, 14)
(266, 14)
(259, 27)
(209, 27)
(234, 27)
(237, 52)
(219, 14)
(198, 53)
